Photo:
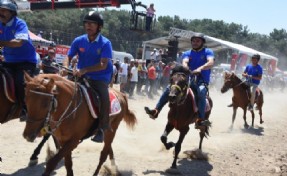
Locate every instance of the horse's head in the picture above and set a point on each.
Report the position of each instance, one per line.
(38, 97)
(230, 80)
(178, 88)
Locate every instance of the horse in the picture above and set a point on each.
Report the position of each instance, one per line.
(56, 102)
(10, 110)
(182, 113)
(241, 94)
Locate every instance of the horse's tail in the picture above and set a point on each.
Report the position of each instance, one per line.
(129, 117)
(206, 133)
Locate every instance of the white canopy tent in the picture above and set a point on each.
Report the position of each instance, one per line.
(183, 37)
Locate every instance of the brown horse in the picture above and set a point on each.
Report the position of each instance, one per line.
(11, 110)
(60, 105)
(241, 94)
(182, 113)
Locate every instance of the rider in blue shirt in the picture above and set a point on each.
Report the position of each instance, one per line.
(199, 60)
(94, 62)
(253, 72)
(19, 52)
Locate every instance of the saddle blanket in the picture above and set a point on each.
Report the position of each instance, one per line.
(115, 106)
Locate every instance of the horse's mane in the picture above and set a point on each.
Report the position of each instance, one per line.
(179, 76)
(238, 80)
(39, 82)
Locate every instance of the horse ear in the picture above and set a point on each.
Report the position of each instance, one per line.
(50, 85)
(27, 77)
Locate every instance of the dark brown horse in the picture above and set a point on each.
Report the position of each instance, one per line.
(182, 113)
(11, 110)
(61, 106)
(241, 94)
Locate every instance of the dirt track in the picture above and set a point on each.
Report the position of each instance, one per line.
(256, 151)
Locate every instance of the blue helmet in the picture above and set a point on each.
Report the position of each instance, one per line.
(9, 4)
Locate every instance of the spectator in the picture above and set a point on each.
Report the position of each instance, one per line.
(134, 77)
(124, 74)
(151, 78)
(47, 63)
(142, 74)
(115, 71)
(149, 16)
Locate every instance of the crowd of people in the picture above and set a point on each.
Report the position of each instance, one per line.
(137, 76)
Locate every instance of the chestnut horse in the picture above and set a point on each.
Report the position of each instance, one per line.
(11, 110)
(241, 94)
(58, 103)
(182, 113)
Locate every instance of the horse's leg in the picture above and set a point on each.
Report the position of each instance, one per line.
(202, 135)
(168, 128)
(69, 164)
(253, 116)
(177, 148)
(233, 116)
(109, 137)
(67, 148)
(260, 113)
(34, 157)
(114, 167)
(244, 118)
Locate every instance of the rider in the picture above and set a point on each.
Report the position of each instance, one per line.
(19, 52)
(253, 72)
(94, 62)
(199, 60)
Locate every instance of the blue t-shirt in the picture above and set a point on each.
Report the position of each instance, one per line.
(90, 53)
(254, 71)
(197, 59)
(16, 28)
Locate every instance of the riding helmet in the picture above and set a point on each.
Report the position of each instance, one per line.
(198, 35)
(93, 16)
(9, 4)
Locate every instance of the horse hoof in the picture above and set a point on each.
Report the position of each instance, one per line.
(246, 126)
(163, 139)
(170, 145)
(173, 171)
(261, 121)
(33, 162)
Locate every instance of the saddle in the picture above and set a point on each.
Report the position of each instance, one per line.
(8, 85)
(94, 103)
(194, 105)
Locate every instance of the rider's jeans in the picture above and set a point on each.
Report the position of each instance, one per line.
(253, 92)
(163, 99)
(201, 91)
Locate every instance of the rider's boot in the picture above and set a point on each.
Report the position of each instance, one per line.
(202, 122)
(250, 107)
(153, 113)
(99, 137)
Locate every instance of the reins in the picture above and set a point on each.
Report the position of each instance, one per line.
(52, 107)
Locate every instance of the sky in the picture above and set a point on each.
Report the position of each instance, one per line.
(261, 16)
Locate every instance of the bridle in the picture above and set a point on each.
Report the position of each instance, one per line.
(53, 108)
